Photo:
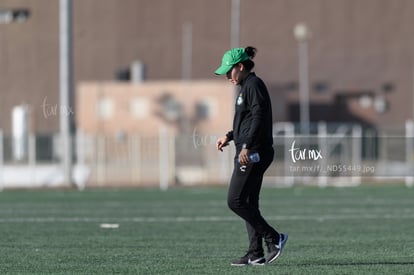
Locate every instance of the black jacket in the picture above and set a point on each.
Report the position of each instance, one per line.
(252, 124)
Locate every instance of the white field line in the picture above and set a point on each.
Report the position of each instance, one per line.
(320, 218)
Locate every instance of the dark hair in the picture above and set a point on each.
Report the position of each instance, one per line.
(251, 52)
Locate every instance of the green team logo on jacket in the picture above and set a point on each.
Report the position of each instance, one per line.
(240, 99)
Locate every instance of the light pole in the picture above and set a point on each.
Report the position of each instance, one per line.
(187, 51)
(10, 16)
(235, 23)
(65, 80)
(302, 35)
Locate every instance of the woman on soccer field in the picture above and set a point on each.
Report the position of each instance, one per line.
(252, 133)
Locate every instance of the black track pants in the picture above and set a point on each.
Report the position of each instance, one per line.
(243, 199)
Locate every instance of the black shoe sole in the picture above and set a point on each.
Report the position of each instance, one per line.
(261, 261)
(282, 244)
(273, 258)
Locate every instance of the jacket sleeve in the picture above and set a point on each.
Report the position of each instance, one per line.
(257, 105)
(229, 135)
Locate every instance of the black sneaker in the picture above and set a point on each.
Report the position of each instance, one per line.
(276, 248)
(249, 259)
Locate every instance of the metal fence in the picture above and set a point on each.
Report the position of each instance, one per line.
(332, 155)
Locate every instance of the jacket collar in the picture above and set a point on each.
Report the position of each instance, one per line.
(250, 75)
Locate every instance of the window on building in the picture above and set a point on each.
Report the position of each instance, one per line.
(139, 108)
(105, 108)
(205, 109)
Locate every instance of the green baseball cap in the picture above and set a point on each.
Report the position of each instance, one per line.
(231, 58)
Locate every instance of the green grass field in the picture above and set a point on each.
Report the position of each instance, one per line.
(363, 230)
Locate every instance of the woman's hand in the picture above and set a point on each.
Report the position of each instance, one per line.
(244, 157)
(222, 142)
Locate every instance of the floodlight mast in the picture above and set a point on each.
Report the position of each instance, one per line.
(66, 86)
(302, 35)
(10, 16)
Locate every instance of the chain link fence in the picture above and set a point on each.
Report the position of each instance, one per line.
(334, 155)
